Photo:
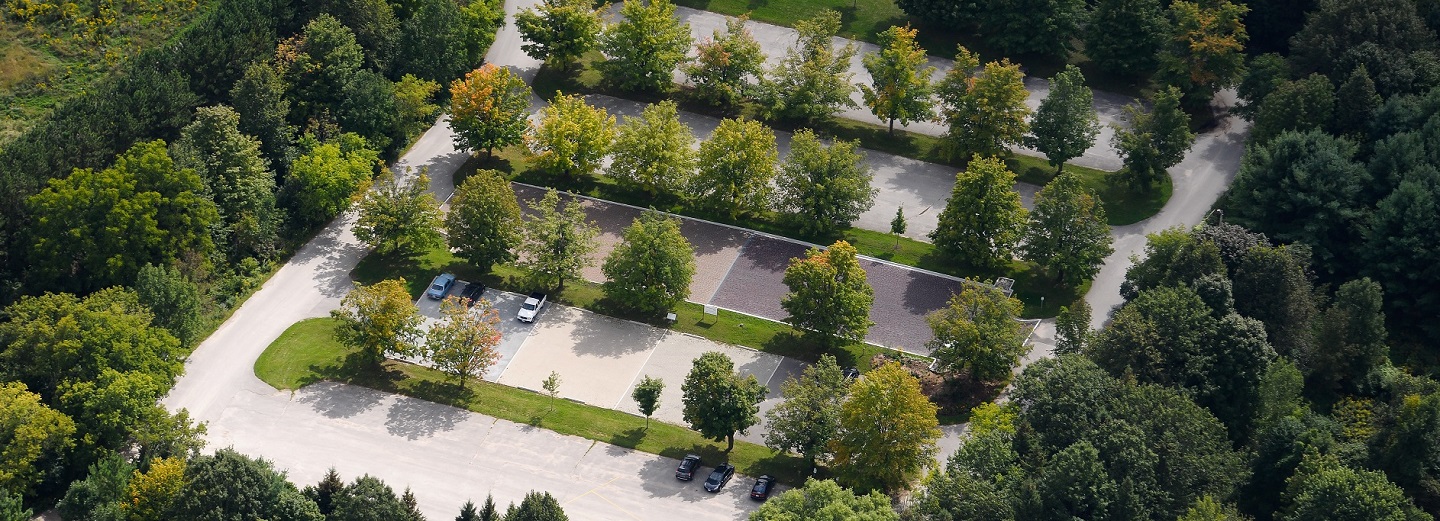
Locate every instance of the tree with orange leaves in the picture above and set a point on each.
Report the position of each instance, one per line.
(466, 342)
(488, 108)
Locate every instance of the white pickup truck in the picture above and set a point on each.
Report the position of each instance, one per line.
(531, 307)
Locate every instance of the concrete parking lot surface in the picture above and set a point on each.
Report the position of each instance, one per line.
(512, 332)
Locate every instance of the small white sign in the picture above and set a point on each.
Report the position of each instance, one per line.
(712, 310)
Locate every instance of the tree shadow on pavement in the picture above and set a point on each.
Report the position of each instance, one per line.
(413, 418)
(339, 401)
(609, 337)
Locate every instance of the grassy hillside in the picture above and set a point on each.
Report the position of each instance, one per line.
(50, 50)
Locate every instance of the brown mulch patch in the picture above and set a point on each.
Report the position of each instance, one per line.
(954, 394)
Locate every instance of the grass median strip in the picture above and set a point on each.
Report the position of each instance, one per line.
(726, 327)
(1123, 204)
(307, 353)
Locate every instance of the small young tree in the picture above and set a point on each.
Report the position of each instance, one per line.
(645, 46)
(898, 225)
(809, 418)
(651, 269)
(900, 84)
(829, 296)
(552, 387)
(571, 137)
(983, 220)
(465, 343)
(977, 333)
(654, 151)
(1065, 125)
(558, 241)
(488, 511)
(812, 82)
(887, 431)
(414, 110)
(1156, 139)
(1072, 327)
(482, 224)
(378, 320)
(984, 108)
(559, 31)
(823, 188)
(725, 63)
(489, 109)
(736, 166)
(718, 401)
(1068, 235)
(647, 396)
(399, 216)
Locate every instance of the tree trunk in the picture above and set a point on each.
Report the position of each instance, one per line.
(892, 126)
(731, 439)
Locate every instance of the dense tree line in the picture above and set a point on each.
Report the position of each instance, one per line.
(182, 175)
(229, 485)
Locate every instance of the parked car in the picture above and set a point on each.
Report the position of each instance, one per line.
(440, 286)
(472, 293)
(719, 477)
(851, 373)
(762, 487)
(531, 307)
(687, 468)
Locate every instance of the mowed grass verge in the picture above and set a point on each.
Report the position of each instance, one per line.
(307, 353)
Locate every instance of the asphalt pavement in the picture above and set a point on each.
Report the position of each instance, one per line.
(446, 455)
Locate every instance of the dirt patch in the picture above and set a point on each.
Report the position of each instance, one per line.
(955, 395)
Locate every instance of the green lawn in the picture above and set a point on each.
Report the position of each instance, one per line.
(308, 353)
(1123, 204)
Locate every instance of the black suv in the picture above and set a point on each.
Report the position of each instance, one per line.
(687, 468)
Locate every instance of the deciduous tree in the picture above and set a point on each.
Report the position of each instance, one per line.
(977, 333)
(1131, 52)
(645, 46)
(654, 151)
(559, 31)
(571, 138)
(900, 82)
(1324, 488)
(823, 188)
(737, 164)
(829, 296)
(558, 241)
(718, 401)
(483, 223)
(887, 431)
(1072, 327)
(651, 269)
(983, 220)
(724, 64)
(647, 396)
(230, 486)
(809, 418)
(378, 320)
(984, 109)
(1065, 125)
(1067, 234)
(35, 437)
(400, 216)
(825, 500)
(433, 41)
(812, 82)
(323, 182)
(236, 178)
(259, 98)
(414, 110)
(173, 299)
(465, 344)
(1156, 139)
(95, 229)
(1206, 48)
(489, 109)
(367, 498)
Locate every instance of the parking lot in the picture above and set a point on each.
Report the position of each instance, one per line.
(600, 359)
